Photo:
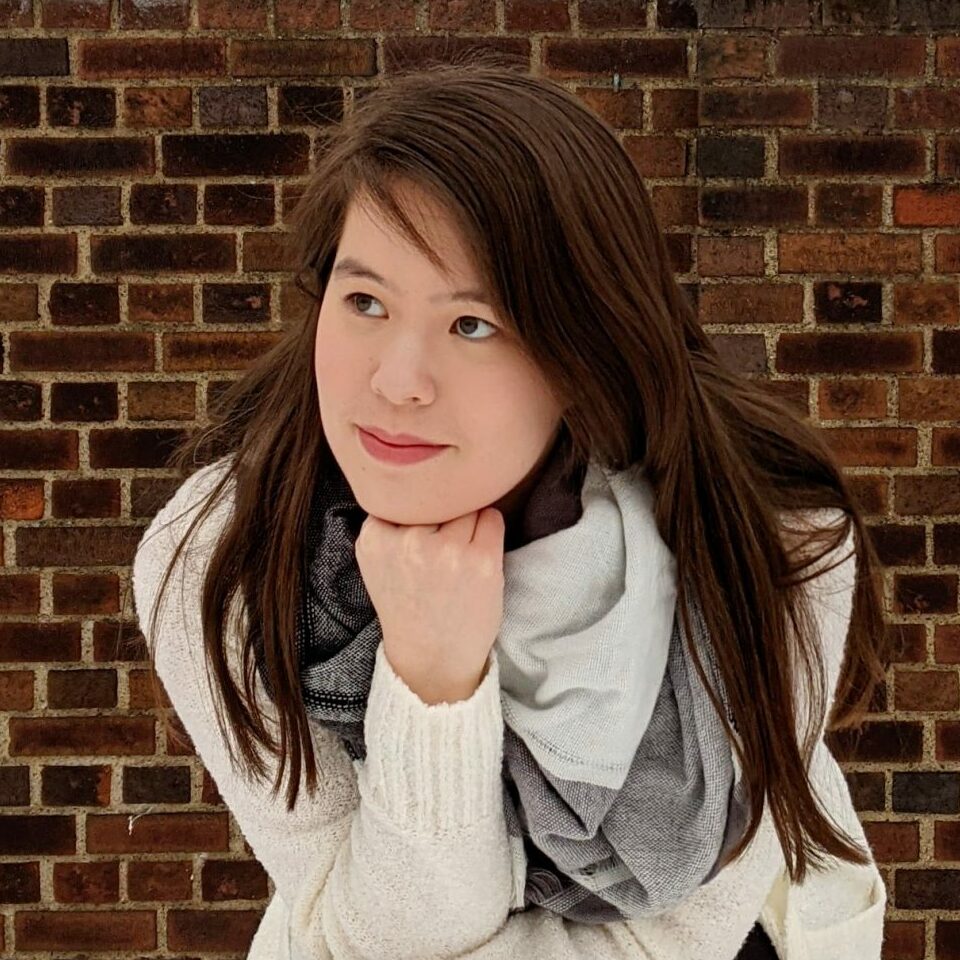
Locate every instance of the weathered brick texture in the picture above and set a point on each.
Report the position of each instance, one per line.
(803, 159)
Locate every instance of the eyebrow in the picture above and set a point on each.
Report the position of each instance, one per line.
(350, 267)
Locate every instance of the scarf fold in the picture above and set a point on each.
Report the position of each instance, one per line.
(620, 790)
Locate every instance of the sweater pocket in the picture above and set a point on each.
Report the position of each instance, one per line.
(796, 935)
(861, 933)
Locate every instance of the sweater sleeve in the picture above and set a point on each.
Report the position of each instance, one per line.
(405, 855)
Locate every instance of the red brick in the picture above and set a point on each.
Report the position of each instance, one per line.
(81, 736)
(303, 58)
(204, 930)
(849, 253)
(852, 399)
(86, 930)
(893, 842)
(873, 446)
(157, 832)
(97, 882)
(160, 880)
(850, 56)
(175, 57)
(926, 690)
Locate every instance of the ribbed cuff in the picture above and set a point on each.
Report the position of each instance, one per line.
(432, 768)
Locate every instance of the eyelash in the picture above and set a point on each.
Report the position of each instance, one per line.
(349, 300)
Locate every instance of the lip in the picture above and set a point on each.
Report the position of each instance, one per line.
(410, 453)
(399, 439)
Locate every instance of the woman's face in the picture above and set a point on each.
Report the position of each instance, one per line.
(402, 355)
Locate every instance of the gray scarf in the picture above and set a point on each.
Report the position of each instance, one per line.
(620, 791)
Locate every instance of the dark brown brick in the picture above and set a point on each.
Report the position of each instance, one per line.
(927, 889)
(93, 107)
(934, 303)
(80, 157)
(174, 57)
(156, 784)
(926, 792)
(762, 205)
(730, 156)
(203, 930)
(893, 842)
(16, 686)
(729, 56)
(165, 203)
(33, 642)
(20, 882)
(73, 689)
(42, 449)
(946, 543)
(849, 352)
(75, 786)
(38, 253)
(235, 154)
(933, 495)
(85, 594)
(19, 593)
(86, 498)
(157, 833)
(38, 350)
(19, 106)
(160, 303)
(60, 546)
(946, 351)
(90, 14)
(163, 15)
(899, 544)
(866, 789)
(946, 840)
(232, 14)
(945, 447)
(772, 13)
(85, 401)
(143, 447)
(930, 108)
(873, 446)
(238, 205)
(756, 106)
(848, 302)
(852, 399)
(84, 304)
(34, 57)
(21, 206)
(828, 156)
(648, 56)
(37, 834)
(925, 593)
(20, 400)
(946, 939)
(927, 690)
(162, 880)
(14, 780)
(236, 303)
(214, 351)
(849, 106)
(309, 106)
(97, 930)
(92, 205)
(233, 880)
(97, 882)
(302, 58)
(850, 56)
(81, 736)
(878, 741)
(848, 204)
(146, 253)
(233, 106)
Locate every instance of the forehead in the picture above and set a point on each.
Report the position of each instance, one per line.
(372, 246)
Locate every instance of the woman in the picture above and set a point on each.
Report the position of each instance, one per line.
(505, 646)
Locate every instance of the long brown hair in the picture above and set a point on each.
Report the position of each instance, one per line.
(562, 230)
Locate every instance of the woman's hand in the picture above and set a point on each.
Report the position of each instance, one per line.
(438, 592)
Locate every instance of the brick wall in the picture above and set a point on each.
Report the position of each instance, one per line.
(804, 162)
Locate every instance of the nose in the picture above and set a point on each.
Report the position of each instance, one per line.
(403, 371)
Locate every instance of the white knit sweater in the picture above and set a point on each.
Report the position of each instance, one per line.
(404, 856)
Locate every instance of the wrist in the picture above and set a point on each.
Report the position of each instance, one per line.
(433, 688)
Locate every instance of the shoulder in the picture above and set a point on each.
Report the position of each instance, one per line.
(172, 521)
(171, 525)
